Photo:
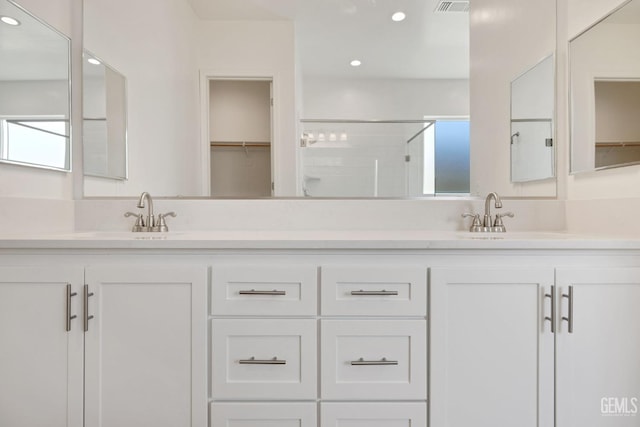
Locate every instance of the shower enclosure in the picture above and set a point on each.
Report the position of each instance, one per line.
(384, 158)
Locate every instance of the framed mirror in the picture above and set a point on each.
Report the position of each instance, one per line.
(605, 92)
(35, 87)
(532, 129)
(104, 121)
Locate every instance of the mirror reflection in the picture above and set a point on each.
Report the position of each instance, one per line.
(605, 92)
(532, 147)
(409, 70)
(104, 121)
(34, 91)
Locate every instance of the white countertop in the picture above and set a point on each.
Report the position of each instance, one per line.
(399, 239)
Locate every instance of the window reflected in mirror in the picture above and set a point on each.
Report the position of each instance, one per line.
(34, 91)
(104, 124)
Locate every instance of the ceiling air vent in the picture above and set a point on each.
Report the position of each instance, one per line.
(452, 6)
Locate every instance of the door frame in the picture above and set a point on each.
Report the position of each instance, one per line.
(206, 75)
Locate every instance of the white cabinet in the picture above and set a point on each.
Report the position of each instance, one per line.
(262, 414)
(374, 359)
(374, 290)
(286, 290)
(264, 359)
(145, 348)
(40, 347)
(492, 353)
(598, 359)
(378, 414)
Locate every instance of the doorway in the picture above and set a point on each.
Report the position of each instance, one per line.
(240, 135)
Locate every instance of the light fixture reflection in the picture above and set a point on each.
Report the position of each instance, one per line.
(356, 63)
(93, 61)
(9, 20)
(398, 16)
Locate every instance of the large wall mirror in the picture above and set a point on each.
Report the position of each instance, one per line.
(34, 91)
(331, 64)
(605, 92)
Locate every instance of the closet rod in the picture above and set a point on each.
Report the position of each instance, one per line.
(239, 144)
(617, 144)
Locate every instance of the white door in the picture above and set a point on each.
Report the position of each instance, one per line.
(491, 360)
(40, 347)
(146, 347)
(598, 360)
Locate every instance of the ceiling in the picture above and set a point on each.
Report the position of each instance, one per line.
(31, 50)
(330, 33)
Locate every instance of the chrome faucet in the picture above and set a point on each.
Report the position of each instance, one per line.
(487, 224)
(487, 208)
(150, 222)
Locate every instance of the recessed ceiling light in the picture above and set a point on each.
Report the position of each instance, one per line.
(398, 16)
(9, 20)
(93, 61)
(355, 63)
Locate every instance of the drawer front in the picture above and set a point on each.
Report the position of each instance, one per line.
(374, 291)
(374, 359)
(379, 414)
(263, 359)
(264, 290)
(263, 415)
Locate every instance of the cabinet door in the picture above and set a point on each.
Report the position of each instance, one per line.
(146, 347)
(598, 360)
(40, 360)
(491, 361)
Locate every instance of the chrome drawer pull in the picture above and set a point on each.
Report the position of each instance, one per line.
(254, 292)
(254, 361)
(569, 318)
(69, 316)
(384, 361)
(382, 292)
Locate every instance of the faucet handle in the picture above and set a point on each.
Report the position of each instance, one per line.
(498, 225)
(476, 225)
(161, 225)
(139, 224)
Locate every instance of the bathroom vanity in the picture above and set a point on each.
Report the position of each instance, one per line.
(318, 329)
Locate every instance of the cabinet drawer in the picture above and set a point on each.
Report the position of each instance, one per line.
(263, 415)
(374, 359)
(379, 414)
(376, 291)
(264, 290)
(264, 359)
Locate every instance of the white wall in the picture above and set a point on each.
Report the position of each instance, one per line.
(330, 98)
(371, 162)
(255, 49)
(162, 91)
(507, 38)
